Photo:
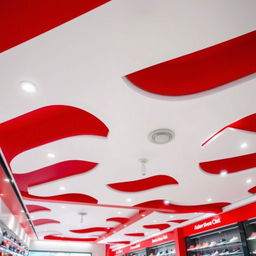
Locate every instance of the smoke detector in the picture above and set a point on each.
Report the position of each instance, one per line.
(161, 136)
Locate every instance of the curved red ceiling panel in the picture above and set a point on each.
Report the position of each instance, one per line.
(118, 219)
(178, 221)
(247, 123)
(135, 234)
(52, 172)
(233, 164)
(157, 226)
(64, 198)
(252, 190)
(202, 70)
(160, 206)
(90, 230)
(51, 123)
(36, 208)
(22, 20)
(45, 221)
(144, 184)
(120, 242)
(70, 239)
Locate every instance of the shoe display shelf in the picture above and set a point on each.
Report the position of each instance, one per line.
(167, 249)
(138, 253)
(224, 241)
(250, 231)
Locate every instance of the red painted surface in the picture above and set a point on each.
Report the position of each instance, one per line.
(180, 245)
(231, 165)
(120, 242)
(118, 219)
(160, 206)
(247, 123)
(36, 208)
(178, 221)
(144, 184)
(226, 218)
(51, 123)
(8, 196)
(51, 173)
(60, 238)
(252, 190)
(135, 234)
(22, 20)
(40, 222)
(157, 226)
(90, 230)
(201, 70)
(64, 198)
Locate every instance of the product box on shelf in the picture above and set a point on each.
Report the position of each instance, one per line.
(250, 232)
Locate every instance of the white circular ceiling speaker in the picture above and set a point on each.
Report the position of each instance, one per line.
(161, 136)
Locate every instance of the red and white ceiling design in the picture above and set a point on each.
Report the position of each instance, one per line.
(108, 73)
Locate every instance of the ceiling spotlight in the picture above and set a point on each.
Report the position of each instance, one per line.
(6, 180)
(63, 206)
(22, 211)
(244, 145)
(28, 86)
(119, 212)
(143, 215)
(166, 202)
(223, 173)
(249, 181)
(51, 155)
(128, 199)
(161, 136)
(171, 216)
(154, 221)
(209, 199)
(62, 188)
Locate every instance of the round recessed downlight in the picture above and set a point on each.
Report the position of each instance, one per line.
(161, 136)
(28, 86)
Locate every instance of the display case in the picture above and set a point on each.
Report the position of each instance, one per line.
(138, 253)
(225, 241)
(250, 231)
(167, 249)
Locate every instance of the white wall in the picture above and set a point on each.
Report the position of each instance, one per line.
(95, 249)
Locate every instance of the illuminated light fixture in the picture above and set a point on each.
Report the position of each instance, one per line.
(223, 173)
(119, 212)
(28, 86)
(154, 221)
(63, 206)
(128, 199)
(51, 155)
(166, 202)
(244, 145)
(62, 188)
(171, 216)
(209, 199)
(143, 215)
(248, 181)
(6, 180)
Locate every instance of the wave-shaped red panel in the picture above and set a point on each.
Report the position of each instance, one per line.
(202, 70)
(120, 242)
(44, 221)
(36, 208)
(52, 172)
(90, 230)
(121, 220)
(22, 20)
(233, 164)
(247, 123)
(159, 205)
(144, 184)
(178, 221)
(252, 190)
(135, 234)
(157, 226)
(70, 239)
(51, 123)
(64, 198)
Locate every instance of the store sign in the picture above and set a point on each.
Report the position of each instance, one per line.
(136, 246)
(159, 239)
(207, 224)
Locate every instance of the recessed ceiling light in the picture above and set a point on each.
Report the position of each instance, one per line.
(128, 199)
(32, 217)
(223, 173)
(143, 215)
(154, 221)
(119, 212)
(51, 155)
(62, 188)
(161, 136)
(22, 211)
(6, 180)
(166, 202)
(63, 206)
(209, 199)
(244, 145)
(171, 216)
(28, 86)
(249, 181)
